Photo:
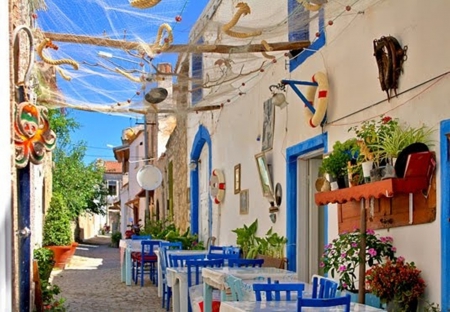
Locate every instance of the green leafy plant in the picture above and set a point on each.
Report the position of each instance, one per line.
(188, 240)
(45, 261)
(251, 245)
(341, 257)
(115, 239)
(336, 163)
(396, 280)
(246, 237)
(432, 307)
(57, 230)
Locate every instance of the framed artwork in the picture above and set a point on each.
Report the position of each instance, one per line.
(237, 179)
(268, 126)
(264, 176)
(243, 202)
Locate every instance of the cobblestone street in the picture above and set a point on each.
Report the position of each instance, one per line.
(91, 282)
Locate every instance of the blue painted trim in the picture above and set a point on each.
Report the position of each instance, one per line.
(202, 137)
(445, 216)
(292, 154)
(305, 54)
(24, 189)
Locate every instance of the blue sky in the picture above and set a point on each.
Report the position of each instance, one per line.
(100, 130)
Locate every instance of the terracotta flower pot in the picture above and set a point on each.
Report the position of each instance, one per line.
(62, 255)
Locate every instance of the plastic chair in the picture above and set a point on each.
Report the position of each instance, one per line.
(324, 302)
(164, 260)
(194, 272)
(235, 285)
(323, 287)
(146, 256)
(277, 288)
(245, 262)
(180, 260)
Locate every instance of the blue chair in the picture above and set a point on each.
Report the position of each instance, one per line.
(277, 289)
(146, 256)
(164, 261)
(180, 260)
(323, 287)
(194, 272)
(324, 302)
(139, 237)
(245, 262)
(224, 252)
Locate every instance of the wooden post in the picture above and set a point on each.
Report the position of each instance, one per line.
(362, 254)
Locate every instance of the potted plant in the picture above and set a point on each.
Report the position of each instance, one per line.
(396, 282)
(341, 257)
(336, 163)
(270, 248)
(115, 239)
(57, 232)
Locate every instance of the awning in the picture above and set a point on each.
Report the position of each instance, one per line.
(133, 202)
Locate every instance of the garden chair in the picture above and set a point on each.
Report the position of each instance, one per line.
(145, 258)
(323, 287)
(194, 272)
(245, 262)
(277, 288)
(164, 261)
(180, 260)
(324, 302)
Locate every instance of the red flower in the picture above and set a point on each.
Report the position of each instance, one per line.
(386, 119)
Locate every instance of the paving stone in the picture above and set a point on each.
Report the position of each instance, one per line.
(91, 282)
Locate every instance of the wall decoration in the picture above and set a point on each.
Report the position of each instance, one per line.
(390, 57)
(268, 126)
(217, 186)
(243, 202)
(278, 194)
(237, 179)
(264, 176)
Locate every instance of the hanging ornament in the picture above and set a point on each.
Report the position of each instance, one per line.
(178, 18)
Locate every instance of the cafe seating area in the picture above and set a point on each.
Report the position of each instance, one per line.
(219, 280)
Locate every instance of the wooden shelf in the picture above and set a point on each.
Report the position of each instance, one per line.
(384, 188)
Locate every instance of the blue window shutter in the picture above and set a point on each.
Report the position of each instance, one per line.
(298, 31)
(197, 74)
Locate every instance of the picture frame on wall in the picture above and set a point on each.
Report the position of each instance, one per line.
(237, 179)
(243, 202)
(264, 176)
(268, 126)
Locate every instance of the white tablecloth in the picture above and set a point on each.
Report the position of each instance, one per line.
(177, 252)
(215, 278)
(284, 306)
(126, 246)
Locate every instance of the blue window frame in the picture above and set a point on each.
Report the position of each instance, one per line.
(298, 31)
(197, 75)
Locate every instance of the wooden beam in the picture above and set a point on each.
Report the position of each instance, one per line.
(177, 48)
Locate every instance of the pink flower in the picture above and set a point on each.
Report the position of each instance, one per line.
(344, 285)
(322, 264)
(354, 245)
(386, 119)
(342, 268)
(370, 232)
(393, 249)
(400, 259)
(343, 255)
(372, 252)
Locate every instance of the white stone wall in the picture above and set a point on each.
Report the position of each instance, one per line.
(353, 77)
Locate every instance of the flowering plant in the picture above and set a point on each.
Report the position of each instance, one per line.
(396, 280)
(341, 257)
(369, 134)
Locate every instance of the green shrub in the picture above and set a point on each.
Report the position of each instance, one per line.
(57, 231)
(44, 257)
(115, 239)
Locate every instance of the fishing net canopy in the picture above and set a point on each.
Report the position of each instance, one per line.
(105, 55)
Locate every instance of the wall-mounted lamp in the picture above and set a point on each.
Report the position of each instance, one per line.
(279, 99)
(193, 164)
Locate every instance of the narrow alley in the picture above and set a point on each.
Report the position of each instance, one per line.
(91, 282)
